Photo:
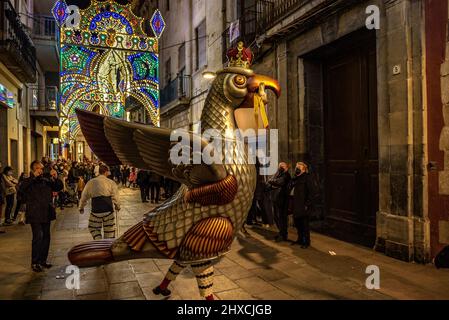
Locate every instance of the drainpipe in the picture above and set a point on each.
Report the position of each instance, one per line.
(224, 17)
(189, 57)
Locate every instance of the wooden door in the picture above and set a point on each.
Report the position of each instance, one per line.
(438, 202)
(351, 143)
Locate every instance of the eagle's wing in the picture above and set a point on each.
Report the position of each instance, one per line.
(117, 142)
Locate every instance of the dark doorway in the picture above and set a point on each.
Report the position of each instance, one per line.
(25, 149)
(350, 137)
(3, 137)
(14, 152)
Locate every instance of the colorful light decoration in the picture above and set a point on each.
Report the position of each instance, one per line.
(157, 24)
(107, 59)
(59, 12)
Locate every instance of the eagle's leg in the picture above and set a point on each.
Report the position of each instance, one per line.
(204, 273)
(172, 273)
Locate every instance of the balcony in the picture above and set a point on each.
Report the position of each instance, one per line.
(252, 23)
(17, 50)
(276, 10)
(176, 94)
(296, 15)
(44, 105)
(44, 27)
(45, 35)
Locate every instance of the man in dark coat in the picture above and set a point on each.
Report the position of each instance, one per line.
(257, 207)
(143, 183)
(155, 186)
(305, 190)
(278, 185)
(38, 193)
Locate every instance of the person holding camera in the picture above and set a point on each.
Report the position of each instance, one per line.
(37, 192)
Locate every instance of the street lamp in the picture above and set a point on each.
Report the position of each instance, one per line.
(209, 75)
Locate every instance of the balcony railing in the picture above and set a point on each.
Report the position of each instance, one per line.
(177, 89)
(44, 27)
(17, 50)
(251, 23)
(270, 14)
(43, 99)
(260, 16)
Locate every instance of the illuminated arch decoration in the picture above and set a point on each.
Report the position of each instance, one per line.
(106, 59)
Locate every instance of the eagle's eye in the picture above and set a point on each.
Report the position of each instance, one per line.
(240, 81)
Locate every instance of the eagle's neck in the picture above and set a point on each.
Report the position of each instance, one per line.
(217, 112)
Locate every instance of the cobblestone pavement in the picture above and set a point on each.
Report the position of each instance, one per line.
(256, 268)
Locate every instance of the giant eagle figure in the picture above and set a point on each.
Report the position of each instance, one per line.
(199, 223)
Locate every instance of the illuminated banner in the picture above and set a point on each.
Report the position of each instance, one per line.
(106, 59)
(6, 97)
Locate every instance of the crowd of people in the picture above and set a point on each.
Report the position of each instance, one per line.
(62, 183)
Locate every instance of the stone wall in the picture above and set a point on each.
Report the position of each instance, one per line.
(402, 220)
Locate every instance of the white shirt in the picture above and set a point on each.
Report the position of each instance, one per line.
(101, 186)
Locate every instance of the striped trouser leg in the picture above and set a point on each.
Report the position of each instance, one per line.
(95, 225)
(174, 271)
(204, 273)
(109, 226)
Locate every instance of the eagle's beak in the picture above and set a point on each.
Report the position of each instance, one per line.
(252, 113)
(257, 80)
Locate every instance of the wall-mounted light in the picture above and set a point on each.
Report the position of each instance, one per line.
(209, 75)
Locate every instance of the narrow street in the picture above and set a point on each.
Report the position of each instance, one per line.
(256, 268)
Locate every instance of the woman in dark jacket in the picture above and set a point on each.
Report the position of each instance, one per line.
(305, 190)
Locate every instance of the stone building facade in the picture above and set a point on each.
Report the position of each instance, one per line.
(313, 51)
(363, 103)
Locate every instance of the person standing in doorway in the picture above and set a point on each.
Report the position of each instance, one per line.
(104, 195)
(37, 192)
(304, 189)
(278, 185)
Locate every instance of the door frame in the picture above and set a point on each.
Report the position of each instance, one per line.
(317, 59)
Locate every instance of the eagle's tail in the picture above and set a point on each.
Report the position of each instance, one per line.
(132, 245)
(91, 254)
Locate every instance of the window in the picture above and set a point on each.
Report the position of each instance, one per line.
(182, 56)
(201, 48)
(239, 5)
(168, 71)
(182, 69)
(35, 98)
